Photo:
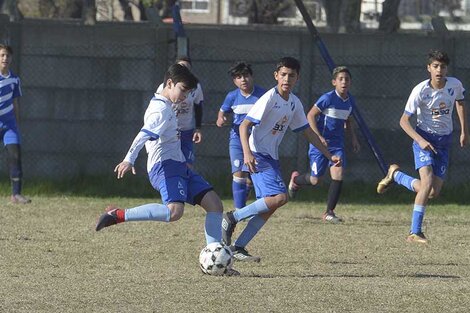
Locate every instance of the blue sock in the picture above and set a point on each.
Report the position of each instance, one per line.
(417, 218)
(404, 180)
(212, 228)
(239, 192)
(255, 208)
(251, 229)
(148, 212)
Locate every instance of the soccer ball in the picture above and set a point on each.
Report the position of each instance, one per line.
(215, 259)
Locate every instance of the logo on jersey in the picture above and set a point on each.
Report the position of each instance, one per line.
(450, 91)
(443, 110)
(423, 157)
(280, 125)
(292, 106)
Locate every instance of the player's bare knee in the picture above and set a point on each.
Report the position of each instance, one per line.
(314, 180)
(281, 200)
(176, 213)
(434, 193)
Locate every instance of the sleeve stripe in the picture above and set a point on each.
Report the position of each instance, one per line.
(409, 113)
(148, 132)
(253, 120)
(301, 128)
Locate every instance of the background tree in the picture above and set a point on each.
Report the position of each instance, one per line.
(389, 21)
(343, 15)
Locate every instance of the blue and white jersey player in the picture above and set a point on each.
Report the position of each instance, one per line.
(166, 165)
(10, 91)
(270, 117)
(433, 102)
(328, 118)
(189, 114)
(239, 102)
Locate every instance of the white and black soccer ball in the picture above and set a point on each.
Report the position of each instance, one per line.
(215, 259)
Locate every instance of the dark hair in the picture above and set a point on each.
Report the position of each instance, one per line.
(437, 55)
(340, 69)
(7, 48)
(240, 68)
(288, 62)
(181, 74)
(184, 58)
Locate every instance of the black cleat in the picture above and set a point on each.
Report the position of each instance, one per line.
(108, 218)
(228, 227)
(240, 254)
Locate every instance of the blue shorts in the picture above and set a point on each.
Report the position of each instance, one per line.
(438, 161)
(177, 183)
(187, 145)
(268, 180)
(236, 152)
(319, 163)
(9, 132)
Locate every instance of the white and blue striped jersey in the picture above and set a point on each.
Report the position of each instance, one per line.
(271, 115)
(159, 134)
(334, 113)
(240, 105)
(434, 107)
(185, 109)
(10, 88)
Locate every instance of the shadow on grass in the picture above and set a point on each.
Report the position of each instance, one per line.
(418, 275)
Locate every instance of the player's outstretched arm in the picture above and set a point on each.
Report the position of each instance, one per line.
(315, 140)
(461, 113)
(124, 167)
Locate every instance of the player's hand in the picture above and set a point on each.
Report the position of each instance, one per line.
(122, 168)
(425, 145)
(250, 162)
(336, 160)
(197, 136)
(221, 121)
(463, 140)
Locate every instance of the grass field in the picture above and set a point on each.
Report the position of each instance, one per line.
(52, 260)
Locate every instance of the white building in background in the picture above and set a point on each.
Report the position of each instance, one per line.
(414, 14)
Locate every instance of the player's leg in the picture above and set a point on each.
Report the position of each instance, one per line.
(239, 178)
(11, 140)
(334, 192)
(174, 193)
(318, 165)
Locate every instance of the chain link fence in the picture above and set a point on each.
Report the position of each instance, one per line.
(86, 88)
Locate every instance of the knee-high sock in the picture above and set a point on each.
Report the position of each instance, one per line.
(212, 228)
(404, 180)
(239, 192)
(14, 165)
(250, 231)
(333, 195)
(417, 218)
(255, 208)
(148, 212)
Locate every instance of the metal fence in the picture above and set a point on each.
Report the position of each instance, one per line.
(85, 96)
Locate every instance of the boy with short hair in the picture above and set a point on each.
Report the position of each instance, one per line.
(328, 118)
(432, 101)
(189, 114)
(239, 102)
(268, 120)
(166, 164)
(10, 89)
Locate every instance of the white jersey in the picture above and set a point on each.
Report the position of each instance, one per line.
(434, 107)
(185, 109)
(271, 115)
(159, 134)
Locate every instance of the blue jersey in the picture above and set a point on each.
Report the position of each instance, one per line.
(240, 105)
(334, 113)
(9, 90)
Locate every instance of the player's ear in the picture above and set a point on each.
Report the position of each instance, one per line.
(168, 83)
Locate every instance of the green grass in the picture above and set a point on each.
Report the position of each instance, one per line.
(52, 260)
